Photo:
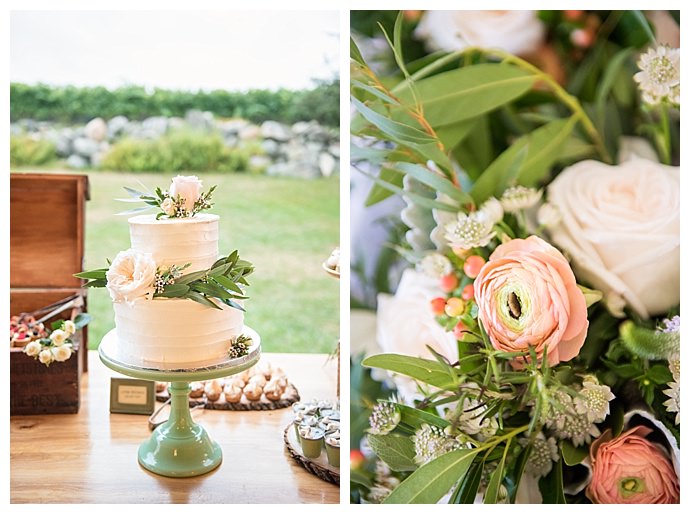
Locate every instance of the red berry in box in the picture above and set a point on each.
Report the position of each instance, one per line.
(472, 265)
(449, 283)
(438, 306)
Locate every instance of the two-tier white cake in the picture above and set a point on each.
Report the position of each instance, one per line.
(172, 330)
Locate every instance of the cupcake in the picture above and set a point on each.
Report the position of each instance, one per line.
(311, 439)
(233, 393)
(258, 379)
(253, 391)
(213, 390)
(197, 390)
(333, 449)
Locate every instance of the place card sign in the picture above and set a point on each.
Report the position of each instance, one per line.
(132, 396)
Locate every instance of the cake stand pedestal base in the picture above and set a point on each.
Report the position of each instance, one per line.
(180, 447)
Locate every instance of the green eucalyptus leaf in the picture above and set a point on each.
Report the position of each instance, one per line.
(199, 298)
(494, 488)
(433, 480)
(467, 490)
(96, 283)
(542, 147)
(229, 284)
(234, 305)
(95, 274)
(433, 180)
(379, 193)
(415, 418)
(395, 450)
(467, 92)
(355, 54)
(452, 135)
(426, 371)
(649, 344)
(174, 291)
(374, 91)
(133, 192)
(81, 320)
(191, 277)
(396, 130)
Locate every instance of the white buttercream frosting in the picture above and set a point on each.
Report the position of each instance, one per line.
(176, 330)
(178, 240)
(171, 330)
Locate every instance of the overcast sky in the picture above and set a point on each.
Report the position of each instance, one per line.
(188, 50)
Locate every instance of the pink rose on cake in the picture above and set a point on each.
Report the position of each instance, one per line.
(131, 276)
(188, 188)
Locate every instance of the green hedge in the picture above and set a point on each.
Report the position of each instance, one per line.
(26, 151)
(78, 105)
(181, 151)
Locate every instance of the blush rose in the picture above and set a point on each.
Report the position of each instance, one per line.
(527, 296)
(131, 276)
(188, 188)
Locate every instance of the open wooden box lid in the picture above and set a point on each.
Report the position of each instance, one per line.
(47, 214)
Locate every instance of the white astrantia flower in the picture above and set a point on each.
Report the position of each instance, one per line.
(435, 265)
(673, 403)
(578, 428)
(659, 78)
(493, 210)
(385, 416)
(431, 442)
(543, 454)
(593, 400)
(548, 215)
(520, 197)
(472, 230)
(473, 422)
(674, 366)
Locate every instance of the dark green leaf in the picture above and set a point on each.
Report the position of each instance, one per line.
(229, 284)
(493, 489)
(467, 491)
(452, 135)
(374, 91)
(551, 486)
(96, 283)
(433, 480)
(395, 450)
(174, 291)
(379, 193)
(397, 131)
(468, 92)
(573, 455)
(427, 371)
(516, 473)
(355, 54)
(201, 299)
(415, 418)
(190, 277)
(234, 305)
(612, 73)
(434, 180)
(659, 374)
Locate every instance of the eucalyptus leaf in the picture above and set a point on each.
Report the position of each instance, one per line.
(191, 277)
(234, 305)
(415, 418)
(467, 92)
(417, 199)
(551, 486)
(434, 180)
(395, 450)
(355, 54)
(379, 193)
(96, 273)
(493, 489)
(199, 298)
(96, 283)
(229, 284)
(396, 130)
(81, 320)
(452, 135)
(374, 91)
(467, 490)
(433, 480)
(649, 344)
(174, 291)
(426, 371)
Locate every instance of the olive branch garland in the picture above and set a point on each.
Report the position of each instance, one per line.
(159, 196)
(222, 281)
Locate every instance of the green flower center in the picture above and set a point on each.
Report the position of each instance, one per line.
(629, 486)
(661, 70)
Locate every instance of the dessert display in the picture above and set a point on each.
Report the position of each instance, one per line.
(177, 303)
(313, 438)
(24, 328)
(262, 387)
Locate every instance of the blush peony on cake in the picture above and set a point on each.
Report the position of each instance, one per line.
(177, 302)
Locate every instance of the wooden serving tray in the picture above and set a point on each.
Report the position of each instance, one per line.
(290, 396)
(319, 466)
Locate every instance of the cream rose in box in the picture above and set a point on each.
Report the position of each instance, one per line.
(621, 228)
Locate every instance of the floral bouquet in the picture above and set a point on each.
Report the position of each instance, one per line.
(531, 350)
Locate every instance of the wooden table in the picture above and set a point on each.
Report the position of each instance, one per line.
(91, 457)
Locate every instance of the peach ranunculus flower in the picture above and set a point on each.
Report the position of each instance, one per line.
(528, 297)
(188, 188)
(631, 469)
(131, 276)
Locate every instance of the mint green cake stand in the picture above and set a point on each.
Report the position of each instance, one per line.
(179, 447)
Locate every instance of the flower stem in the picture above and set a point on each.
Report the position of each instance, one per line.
(665, 139)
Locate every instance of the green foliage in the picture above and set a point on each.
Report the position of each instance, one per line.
(178, 151)
(77, 105)
(26, 151)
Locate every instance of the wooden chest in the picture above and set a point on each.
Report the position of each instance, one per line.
(46, 249)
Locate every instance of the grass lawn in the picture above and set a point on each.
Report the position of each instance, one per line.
(286, 227)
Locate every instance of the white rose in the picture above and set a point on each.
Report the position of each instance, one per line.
(58, 337)
(405, 324)
(621, 228)
(188, 188)
(131, 276)
(46, 356)
(69, 327)
(62, 353)
(516, 32)
(33, 348)
(168, 207)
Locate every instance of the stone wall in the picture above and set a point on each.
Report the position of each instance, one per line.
(305, 149)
